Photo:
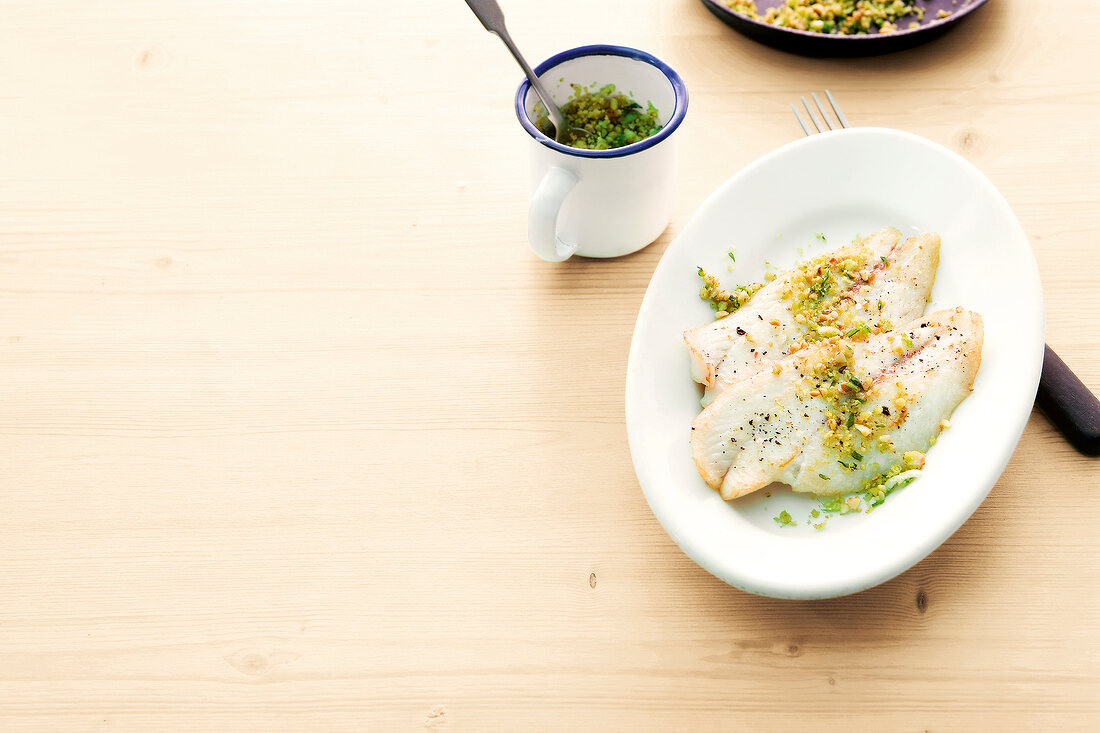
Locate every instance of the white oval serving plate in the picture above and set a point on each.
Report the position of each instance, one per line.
(840, 184)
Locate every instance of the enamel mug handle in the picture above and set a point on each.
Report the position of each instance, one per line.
(542, 222)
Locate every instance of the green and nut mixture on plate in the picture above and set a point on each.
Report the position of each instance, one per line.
(840, 17)
(829, 377)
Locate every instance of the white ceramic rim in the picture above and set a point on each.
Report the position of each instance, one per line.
(872, 572)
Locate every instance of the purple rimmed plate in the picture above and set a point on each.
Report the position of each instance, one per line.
(821, 44)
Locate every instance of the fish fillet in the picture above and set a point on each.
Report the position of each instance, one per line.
(879, 281)
(835, 400)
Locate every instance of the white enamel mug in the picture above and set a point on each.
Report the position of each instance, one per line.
(602, 203)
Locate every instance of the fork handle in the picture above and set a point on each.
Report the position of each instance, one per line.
(1069, 404)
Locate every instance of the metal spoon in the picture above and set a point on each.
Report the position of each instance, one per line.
(492, 17)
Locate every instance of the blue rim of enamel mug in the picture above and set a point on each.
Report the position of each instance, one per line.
(674, 120)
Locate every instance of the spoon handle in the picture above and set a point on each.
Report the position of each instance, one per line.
(492, 17)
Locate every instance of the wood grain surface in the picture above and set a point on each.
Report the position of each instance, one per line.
(296, 434)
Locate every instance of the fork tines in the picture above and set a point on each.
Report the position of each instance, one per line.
(826, 123)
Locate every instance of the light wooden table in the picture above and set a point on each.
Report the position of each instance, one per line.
(298, 435)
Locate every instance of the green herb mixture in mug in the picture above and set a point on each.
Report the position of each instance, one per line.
(602, 120)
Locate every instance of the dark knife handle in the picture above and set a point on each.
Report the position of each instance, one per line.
(1069, 404)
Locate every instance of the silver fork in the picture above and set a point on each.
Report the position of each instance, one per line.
(826, 122)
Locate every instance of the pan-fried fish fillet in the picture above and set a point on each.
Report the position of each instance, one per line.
(876, 283)
(833, 401)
